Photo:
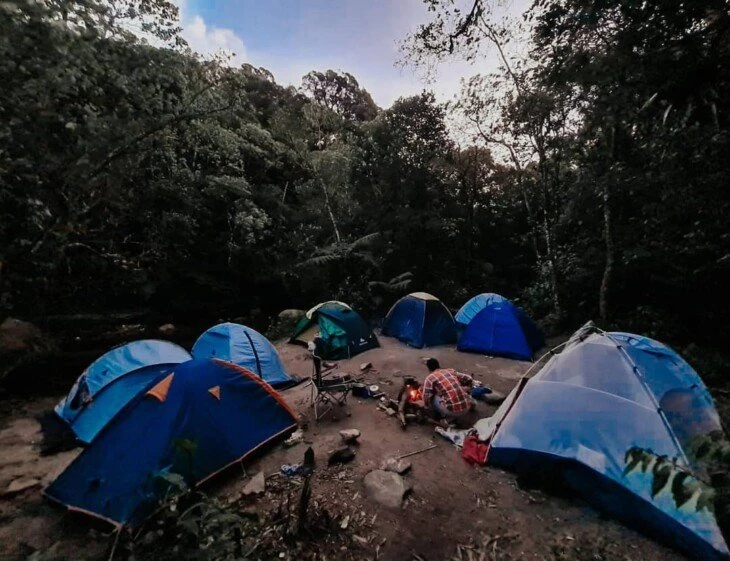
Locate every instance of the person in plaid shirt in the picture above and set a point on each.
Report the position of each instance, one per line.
(446, 391)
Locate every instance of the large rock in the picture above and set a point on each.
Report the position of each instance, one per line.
(341, 456)
(291, 315)
(386, 487)
(350, 435)
(283, 324)
(18, 336)
(21, 484)
(21, 343)
(166, 329)
(256, 486)
(395, 465)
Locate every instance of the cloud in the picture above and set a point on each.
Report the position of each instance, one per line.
(209, 40)
(352, 36)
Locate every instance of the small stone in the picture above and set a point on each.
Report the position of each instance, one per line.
(350, 435)
(341, 456)
(391, 412)
(366, 365)
(296, 437)
(256, 486)
(20, 485)
(398, 466)
(166, 329)
(386, 487)
(345, 522)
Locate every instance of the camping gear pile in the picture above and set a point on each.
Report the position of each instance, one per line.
(157, 420)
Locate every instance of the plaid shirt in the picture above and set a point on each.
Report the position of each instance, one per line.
(448, 384)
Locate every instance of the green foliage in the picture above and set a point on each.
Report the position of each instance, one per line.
(358, 250)
(585, 549)
(593, 176)
(615, 127)
(684, 485)
(341, 93)
(399, 284)
(196, 528)
(714, 365)
(712, 452)
(708, 488)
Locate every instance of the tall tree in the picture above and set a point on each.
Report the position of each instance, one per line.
(341, 93)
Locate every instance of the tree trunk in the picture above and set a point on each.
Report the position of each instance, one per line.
(329, 210)
(608, 268)
(603, 304)
(471, 202)
(549, 246)
(554, 288)
(534, 230)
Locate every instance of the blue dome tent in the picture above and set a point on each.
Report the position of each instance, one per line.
(495, 326)
(201, 418)
(246, 347)
(613, 416)
(420, 320)
(112, 380)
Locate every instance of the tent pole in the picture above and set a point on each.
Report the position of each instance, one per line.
(640, 376)
(550, 353)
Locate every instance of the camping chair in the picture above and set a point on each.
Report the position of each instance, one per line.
(328, 392)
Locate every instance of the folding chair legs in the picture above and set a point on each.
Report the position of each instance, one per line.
(326, 394)
(324, 401)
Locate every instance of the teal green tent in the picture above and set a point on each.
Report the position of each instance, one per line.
(342, 329)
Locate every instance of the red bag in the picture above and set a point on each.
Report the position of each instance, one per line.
(474, 451)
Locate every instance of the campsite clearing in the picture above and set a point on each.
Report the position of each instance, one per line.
(454, 510)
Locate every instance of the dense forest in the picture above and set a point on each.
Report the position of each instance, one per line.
(586, 178)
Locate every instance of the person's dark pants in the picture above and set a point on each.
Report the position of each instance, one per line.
(440, 408)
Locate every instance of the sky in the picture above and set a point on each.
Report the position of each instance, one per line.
(292, 37)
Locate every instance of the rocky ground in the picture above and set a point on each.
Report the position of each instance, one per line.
(452, 511)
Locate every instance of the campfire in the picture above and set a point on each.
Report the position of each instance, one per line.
(414, 395)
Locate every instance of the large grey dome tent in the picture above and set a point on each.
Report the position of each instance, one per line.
(614, 417)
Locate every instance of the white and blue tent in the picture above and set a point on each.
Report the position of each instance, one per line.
(245, 347)
(614, 416)
(112, 380)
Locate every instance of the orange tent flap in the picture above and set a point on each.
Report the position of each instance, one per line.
(160, 390)
(215, 391)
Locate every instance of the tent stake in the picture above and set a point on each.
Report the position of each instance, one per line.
(416, 452)
(116, 541)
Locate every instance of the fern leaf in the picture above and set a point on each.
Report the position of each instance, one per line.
(365, 241)
(319, 260)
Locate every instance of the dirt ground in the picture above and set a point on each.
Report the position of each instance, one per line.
(452, 503)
